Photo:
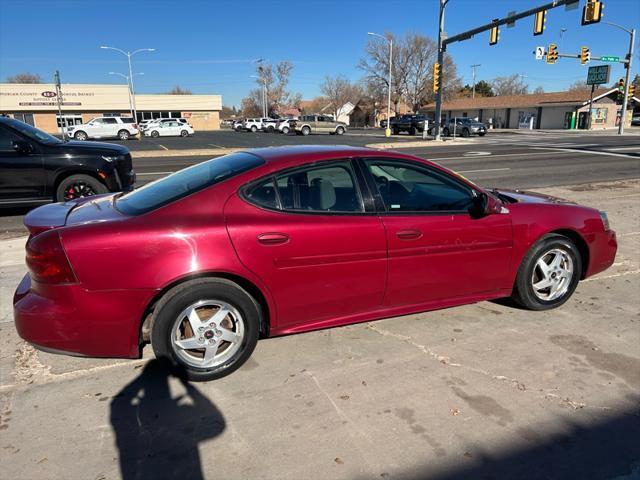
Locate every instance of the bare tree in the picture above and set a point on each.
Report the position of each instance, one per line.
(578, 85)
(538, 90)
(25, 77)
(317, 105)
(276, 80)
(250, 107)
(178, 90)
(422, 53)
(338, 91)
(509, 85)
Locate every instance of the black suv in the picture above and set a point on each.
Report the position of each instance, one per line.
(36, 167)
(411, 123)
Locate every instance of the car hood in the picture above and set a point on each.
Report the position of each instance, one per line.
(73, 146)
(520, 196)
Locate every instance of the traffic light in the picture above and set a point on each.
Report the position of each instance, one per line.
(621, 85)
(436, 77)
(585, 55)
(632, 90)
(552, 53)
(592, 12)
(539, 22)
(494, 33)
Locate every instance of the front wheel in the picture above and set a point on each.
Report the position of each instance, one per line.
(254, 129)
(466, 133)
(184, 133)
(205, 328)
(155, 134)
(123, 135)
(305, 131)
(78, 186)
(80, 136)
(340, 131)
(549, 273)
(285, 130)
(445, 132)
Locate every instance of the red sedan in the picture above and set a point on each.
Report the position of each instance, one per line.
(283, 240)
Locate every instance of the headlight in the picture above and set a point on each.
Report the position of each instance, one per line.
(605, 220)
(111, 158)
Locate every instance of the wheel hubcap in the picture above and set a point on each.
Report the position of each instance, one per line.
(207, 333)
(78, 190)
(552, 274)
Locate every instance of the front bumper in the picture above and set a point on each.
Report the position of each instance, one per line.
(603, 247)
(70, 319)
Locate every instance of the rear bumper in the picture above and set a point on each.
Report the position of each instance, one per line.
(69, 319)
(602, 251)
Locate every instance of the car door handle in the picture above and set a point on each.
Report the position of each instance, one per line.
(409, 234)
(273, 238)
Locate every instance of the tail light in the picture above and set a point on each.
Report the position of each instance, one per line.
(47, 260)
(135, 125)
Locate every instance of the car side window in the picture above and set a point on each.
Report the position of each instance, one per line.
(6, 140)
(329, 188)
(110, 121)
(413, 188)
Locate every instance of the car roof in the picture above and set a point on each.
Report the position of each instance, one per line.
(316, 153)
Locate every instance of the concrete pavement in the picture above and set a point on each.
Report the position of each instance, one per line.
(478, 391)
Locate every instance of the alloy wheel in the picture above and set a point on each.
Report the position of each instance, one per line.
(207, 333)
(78, 190)
(552, 274)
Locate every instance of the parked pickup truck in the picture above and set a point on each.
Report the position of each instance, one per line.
(411, 123)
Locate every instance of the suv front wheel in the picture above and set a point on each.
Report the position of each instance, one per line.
(80, 136)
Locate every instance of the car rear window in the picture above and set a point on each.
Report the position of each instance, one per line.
(185, 182)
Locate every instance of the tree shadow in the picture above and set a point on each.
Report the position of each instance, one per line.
(157, 435)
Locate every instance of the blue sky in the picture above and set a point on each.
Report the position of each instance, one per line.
(208, 46)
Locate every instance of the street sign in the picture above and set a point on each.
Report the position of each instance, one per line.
(610, 59)
(539, 53)
(598, 75)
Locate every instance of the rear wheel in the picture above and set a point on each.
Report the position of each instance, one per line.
(254, 129)
(445, 132)
(155, 134)
(285, 130)
(549, 273)
(205, 328)
(340, 131)
(396, 131)
(81, 136)
(412, 131)
(184, 133)
(305, 131)
(466, 133)
(123, 135)
(78, 186)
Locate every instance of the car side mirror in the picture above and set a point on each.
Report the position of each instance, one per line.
(484, 204)
(21, 146)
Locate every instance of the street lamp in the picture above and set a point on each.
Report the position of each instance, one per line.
(264, 95)
(387, 131)
(130, 96)
(130, 80)
(632, 35)
(473, 69)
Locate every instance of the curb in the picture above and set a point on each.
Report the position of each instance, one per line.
(183, 153)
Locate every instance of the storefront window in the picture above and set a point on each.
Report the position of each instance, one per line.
(599, 115)
(25, 117)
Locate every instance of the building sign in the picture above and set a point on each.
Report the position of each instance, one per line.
(598, 75)
(42, 97)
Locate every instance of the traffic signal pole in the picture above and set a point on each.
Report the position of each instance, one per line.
(443, 41)
(625, 100)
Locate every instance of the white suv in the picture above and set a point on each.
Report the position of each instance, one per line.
(253, 124)
(160, 121)
(104, 127)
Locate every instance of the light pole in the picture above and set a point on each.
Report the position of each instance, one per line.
(130, 96)
(625, 100)
(263, 88)
(131, 90)
(387, 132)
(473, 70)
(441, 47)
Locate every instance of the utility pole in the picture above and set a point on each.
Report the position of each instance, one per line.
(56, 77)
(473, 69)
(625, 100)
(441, 48)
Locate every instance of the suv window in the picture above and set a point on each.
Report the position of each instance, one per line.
(97, 121)
(110, 121)
(316, 189)
(185, 182)
(412, 188)
(7, 138)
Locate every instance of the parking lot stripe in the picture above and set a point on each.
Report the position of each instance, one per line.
(163, 147)
(486, 170)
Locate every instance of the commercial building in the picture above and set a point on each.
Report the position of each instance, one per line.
(556, 110)
(37, 104)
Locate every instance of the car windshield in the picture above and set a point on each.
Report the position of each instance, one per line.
(33, 133)
(185, 182)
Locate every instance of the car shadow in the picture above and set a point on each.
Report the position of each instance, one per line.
(157, 434)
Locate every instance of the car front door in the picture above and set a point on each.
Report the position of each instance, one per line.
(306, 234)
(95, 128)
(110, 127)
(437, 250)
(21, 168)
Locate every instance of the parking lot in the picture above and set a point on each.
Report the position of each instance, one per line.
(479, 391)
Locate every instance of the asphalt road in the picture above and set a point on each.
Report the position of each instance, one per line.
(507, 160)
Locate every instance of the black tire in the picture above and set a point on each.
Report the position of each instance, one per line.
(396, 131)
(254, 129)
(285, 130)
(340, 131)
(270, 129)
(305, 131)
(123, 135)
(445, 132)
(80, 136)
(524, 292)
(155, 134)
(412, 131)
(78, 186)
(481, 134)
(466, 133)
(184, 133)
(168, 312)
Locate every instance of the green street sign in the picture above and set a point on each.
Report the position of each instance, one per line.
(610, 59)
(598, 75)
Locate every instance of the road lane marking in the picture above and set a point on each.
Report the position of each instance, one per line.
(487, 170)
(163, 147)
(477, 154)
(586, 152)
(214, 145)
(521, 154)
(620, 149)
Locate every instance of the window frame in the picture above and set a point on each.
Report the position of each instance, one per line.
(382, 208)
(362, 190)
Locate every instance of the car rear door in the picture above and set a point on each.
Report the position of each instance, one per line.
(437, 251)
(21, 172)
(306, 234)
